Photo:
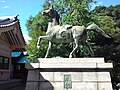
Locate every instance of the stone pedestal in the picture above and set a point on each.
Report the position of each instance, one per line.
(69, 74)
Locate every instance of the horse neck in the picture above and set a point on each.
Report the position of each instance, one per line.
(55, 19)
(49, 27)
(55, 22)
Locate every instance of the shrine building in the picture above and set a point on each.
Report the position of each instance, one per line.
(11, 40)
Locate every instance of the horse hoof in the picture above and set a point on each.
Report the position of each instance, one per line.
(70, 56)
(38, 46)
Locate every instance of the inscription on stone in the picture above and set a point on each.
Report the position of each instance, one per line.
(67, 81)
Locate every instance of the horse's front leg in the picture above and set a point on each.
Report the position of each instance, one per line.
(48, 50)
(38, 43)
(39, 40)
(74, 49)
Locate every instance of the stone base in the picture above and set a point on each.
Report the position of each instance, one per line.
(69, 74)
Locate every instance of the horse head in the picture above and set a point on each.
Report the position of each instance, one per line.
(51, 13)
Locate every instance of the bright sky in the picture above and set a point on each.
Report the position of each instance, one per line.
(25, 8)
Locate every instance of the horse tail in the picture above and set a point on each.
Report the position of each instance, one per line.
(95, 28)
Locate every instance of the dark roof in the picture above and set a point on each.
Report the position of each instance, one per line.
(11, 30)
(7, 21)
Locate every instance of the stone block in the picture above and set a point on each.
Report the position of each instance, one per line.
(46, 76)
(96, 76)
(32, 65)
(33, 75)
(58, 85)
(104, 86)
(103, 76)
(104, 65)
(39, 86)
(75, 76)
(84, 86)
(31, 86)
(89, 76)
(75, 86)
(77, 65)
(45, 86)
(71, 60)
(80, 73)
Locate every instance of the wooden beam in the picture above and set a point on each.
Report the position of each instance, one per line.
(17, 46)
(4, 42)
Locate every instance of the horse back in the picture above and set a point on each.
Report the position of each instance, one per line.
(78, 31)
(78, 28)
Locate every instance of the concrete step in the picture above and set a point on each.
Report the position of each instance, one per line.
(70, 65)
(70, 60)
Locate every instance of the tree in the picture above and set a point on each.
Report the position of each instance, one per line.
(108, 23)
(108, 20)
(36, 26)
(112, 11)
(74, 12)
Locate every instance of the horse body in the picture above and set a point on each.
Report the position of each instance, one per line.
(60, 34)
(69, 33)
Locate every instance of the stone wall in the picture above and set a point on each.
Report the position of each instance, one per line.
(69, 74)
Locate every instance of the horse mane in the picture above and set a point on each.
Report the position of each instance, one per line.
(57, 17)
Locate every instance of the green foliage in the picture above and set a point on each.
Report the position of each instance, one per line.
(74, 12)
(60, 50)
(46, 5)
(108, 24)
(109, 20)
(37, 26)
(112, 11)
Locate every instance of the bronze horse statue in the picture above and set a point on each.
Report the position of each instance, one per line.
(68, 33)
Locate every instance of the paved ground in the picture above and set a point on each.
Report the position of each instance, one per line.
(20, 87)
(13, 84)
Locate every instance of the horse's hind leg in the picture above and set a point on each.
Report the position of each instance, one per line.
(48, 50)
(74, 49)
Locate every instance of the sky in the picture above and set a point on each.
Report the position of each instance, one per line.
(26, 8)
